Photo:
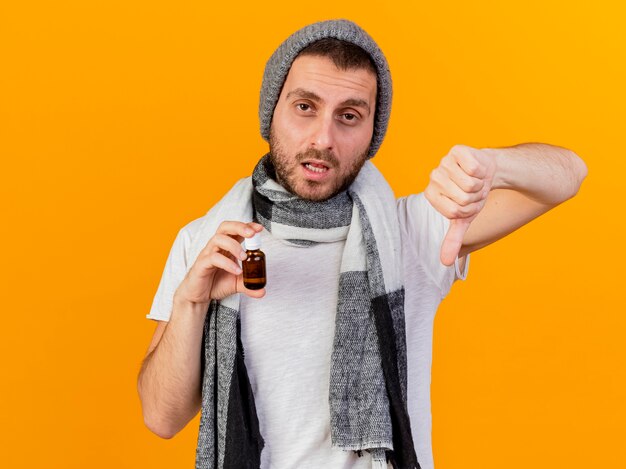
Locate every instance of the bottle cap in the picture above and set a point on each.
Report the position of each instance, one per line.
(252, 244)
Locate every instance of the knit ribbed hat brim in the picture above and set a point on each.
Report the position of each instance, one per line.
(280, 62)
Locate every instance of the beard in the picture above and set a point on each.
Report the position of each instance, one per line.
(287, 169)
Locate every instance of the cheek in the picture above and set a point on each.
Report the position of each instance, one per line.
(293, 130)
(285, 129)
(356, 141)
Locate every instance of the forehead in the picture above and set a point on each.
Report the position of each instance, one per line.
(321, 76)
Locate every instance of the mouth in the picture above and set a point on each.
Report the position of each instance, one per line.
(316, 166)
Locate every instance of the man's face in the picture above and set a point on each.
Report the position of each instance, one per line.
(322, 127)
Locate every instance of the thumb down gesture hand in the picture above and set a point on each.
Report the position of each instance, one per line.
(458, 189)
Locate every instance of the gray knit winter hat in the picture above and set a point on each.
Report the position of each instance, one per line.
(279, 63)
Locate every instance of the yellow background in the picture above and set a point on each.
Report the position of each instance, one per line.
(122, 121)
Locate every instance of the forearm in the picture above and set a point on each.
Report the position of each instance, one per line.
(169, 381)
(545, 173)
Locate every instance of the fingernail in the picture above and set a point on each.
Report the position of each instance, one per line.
(243, 255)
(248, 231)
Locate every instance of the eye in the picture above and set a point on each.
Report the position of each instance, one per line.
(303, 106)
(349, 118)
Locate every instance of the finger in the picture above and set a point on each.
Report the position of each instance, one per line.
(450, 189)
(466, 182)
(241, 288)
(469, 162)
(219, 260)
(453, 241)
(227, 244)
(452, 210)
(236, 228)
(256, 226)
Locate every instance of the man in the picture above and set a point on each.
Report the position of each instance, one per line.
(338, 345)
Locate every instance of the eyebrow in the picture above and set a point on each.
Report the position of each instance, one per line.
(305, 94)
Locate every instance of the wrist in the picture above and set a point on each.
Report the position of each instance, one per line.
(499, 161)
(184, 304)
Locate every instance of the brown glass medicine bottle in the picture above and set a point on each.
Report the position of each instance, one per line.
(254, 265)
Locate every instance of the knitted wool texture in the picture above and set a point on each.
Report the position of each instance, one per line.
(368, 370)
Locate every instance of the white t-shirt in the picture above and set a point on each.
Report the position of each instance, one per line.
(288, 336)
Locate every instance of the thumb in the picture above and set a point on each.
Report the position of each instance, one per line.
(454, 240)
(241, 288)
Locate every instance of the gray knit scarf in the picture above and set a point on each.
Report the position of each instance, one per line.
(367, 395)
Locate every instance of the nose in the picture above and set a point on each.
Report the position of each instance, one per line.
(322, 137)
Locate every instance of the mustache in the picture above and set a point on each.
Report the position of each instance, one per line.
(326, 156)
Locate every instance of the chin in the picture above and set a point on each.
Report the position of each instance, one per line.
(313, 196)
(315, 193)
